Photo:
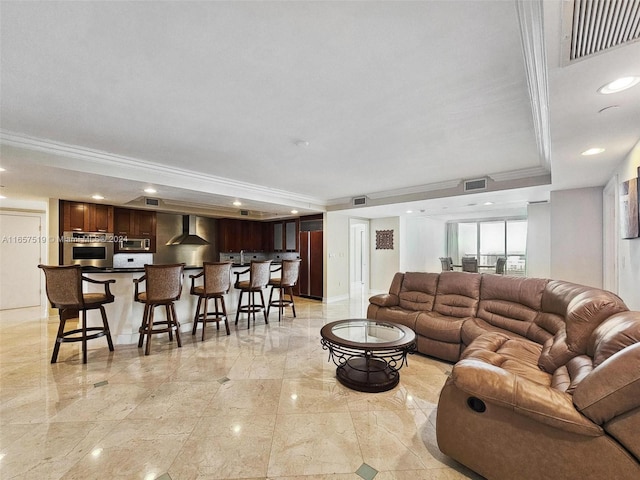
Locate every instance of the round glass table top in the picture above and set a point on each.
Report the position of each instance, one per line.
(369, 331)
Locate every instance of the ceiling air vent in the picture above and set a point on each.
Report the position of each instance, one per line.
(244, 212)
(475, 185)
(359, 201)
(151, 202)
(598, 25)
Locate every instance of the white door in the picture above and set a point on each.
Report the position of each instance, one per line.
(359, 254)
(19, 258)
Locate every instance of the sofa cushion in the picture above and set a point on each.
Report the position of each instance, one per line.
(474, 327)
(517, 356)
(511, 303)
(385, 300)
(567, 377)
(555, 352)
(418, 291)
(611, 336)
(585, 312)
(457, 294)
(398, 315)
(439, 327)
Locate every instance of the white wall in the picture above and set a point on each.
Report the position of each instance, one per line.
(336, 240)
(422, 242)
(384, 263)
(629, 250)
(539, 240)
(576, 236)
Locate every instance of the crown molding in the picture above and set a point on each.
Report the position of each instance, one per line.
(518, 174)
(119, 166)
(530, 19)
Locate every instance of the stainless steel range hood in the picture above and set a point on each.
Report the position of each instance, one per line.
(188, 235)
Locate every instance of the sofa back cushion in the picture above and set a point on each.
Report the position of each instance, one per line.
(617, 332)
(418, 291)
(458, 294)
(583, 309)
(511, 303)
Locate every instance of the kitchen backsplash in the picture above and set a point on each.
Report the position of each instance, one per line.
(247, 257)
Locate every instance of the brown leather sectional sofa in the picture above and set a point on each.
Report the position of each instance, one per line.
(547, 379)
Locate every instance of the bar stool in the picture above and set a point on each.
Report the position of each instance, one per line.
(163, 287)
(64, 291)
(216, 283)
(288, 279)
(259, 273)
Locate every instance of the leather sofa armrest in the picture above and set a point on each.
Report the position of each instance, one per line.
(496, 386)
(385, 300)
(612, 388)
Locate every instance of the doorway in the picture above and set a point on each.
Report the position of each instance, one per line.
(21, 244)
(359, 258)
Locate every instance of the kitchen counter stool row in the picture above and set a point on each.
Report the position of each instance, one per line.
(163, 287)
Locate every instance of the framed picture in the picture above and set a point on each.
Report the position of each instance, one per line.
(384, 239)
(629, 209)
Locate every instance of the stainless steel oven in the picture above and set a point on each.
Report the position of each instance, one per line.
(88, 249)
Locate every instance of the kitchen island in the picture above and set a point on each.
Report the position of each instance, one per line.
(125, 314)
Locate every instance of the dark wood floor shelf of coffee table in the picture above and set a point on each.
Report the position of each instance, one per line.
(368, 354)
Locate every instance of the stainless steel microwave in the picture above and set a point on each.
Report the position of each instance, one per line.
(87, 249)
(134, 244)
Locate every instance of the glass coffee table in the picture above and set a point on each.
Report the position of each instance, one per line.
(368, 354)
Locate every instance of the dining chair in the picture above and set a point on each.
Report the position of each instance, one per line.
(163, 284)
(447, 264)
(284, 284)
(64, 291)
(215, 285)
(259, 273)
(470, 264)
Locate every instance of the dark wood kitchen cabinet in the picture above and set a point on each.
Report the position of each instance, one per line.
(122, 221)
(229, 235)
(235, 235)
(86, 217)
(134, 223)
(310, 283)
(285, 235)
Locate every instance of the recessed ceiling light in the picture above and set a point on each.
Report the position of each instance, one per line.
(150, 190)
(294, 211)
(488, 203)
(2, 196)
(2, 169)
(619, 85)
(409, 211)
(97, 197)
(592, 151)
(237, 203)
(301, 143)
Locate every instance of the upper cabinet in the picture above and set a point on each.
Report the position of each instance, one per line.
(285, 235)
(86, 217)
(235, 235)
(141, 223)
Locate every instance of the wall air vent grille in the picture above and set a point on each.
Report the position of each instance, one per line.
(598, 25)
(151, 202)
(359, 201)
(475, 185)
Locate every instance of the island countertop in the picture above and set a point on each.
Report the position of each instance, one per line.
(125, 314)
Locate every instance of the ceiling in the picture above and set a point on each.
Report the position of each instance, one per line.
(305, 105)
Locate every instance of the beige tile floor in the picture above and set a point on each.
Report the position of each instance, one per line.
(262, 403)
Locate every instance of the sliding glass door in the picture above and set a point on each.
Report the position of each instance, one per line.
(488, 240)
